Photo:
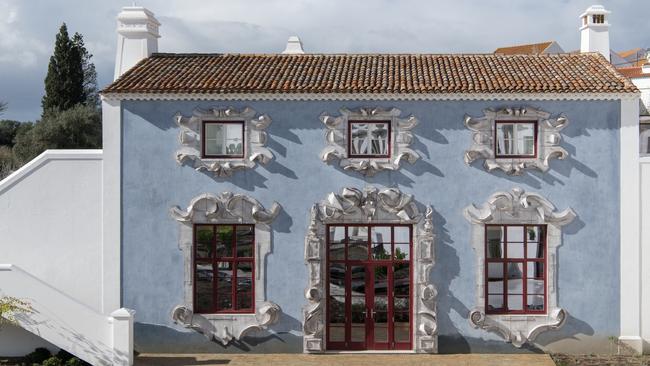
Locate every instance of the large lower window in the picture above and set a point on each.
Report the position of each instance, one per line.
(224, 258)
(515, 276)
(369, 139)
(223, 139)
(515, 139)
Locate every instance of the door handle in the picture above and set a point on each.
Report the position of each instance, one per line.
(372, 313)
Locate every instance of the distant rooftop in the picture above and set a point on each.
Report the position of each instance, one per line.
(524, 49)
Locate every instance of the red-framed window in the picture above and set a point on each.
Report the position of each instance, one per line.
(515, 139)
(222, 139)
(369, 139)
(224, 268)
(515, 269)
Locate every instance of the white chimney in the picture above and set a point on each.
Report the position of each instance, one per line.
(137, 37)
(594, 31)
(294, 46)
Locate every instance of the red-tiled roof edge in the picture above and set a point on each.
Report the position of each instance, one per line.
(420, 74)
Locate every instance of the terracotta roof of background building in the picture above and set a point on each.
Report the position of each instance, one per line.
(628, 53)
(524, 49)
(371, 74)
(633, 72)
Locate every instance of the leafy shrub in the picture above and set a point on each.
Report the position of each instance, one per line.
(53, 361)
(64, 355)
(39, 355)
(75, 362)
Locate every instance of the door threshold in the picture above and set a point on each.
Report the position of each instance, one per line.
(387, 352)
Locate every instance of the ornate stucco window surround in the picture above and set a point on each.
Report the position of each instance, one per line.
(226, 208)
(484, 139)
(518, 207)
(372, 205)
(193, 145)
(338, 135)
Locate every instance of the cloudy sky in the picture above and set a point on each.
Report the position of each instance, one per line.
(28, 28)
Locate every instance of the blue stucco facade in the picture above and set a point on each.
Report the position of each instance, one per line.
(587, 181)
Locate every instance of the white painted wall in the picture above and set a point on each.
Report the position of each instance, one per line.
(51, 220)
(645, 251)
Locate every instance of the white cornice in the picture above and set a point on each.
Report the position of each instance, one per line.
(369, 96)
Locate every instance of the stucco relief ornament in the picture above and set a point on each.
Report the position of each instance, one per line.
(548, 139)
(371, 205)
(254, 140)
(226, 208)
(337, 142)
(518, 207)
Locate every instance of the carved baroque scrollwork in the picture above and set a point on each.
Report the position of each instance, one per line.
(518, 207)
(336, 138)
(226, 208)
(371, 205)
(548, 139)
(254, 139)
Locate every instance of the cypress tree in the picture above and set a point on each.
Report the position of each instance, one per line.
(90, 74)
(64, 83)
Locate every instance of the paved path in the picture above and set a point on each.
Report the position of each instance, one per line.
(344, 360)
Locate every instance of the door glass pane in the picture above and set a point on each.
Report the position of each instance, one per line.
(204, 289)
(337, 333)
(204, 236)
(401, 327)
(244, 285)
(224, 240)
(224, 286)
(357, 242)
(358, 303)
(402, 252)
(401, 279)
(245, 235)
(337, 242)
(381, 327)
(336, 303)
(402, 234)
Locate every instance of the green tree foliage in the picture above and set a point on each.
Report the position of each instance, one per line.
(79, 127)
(64, 83)
(89, 73)
(8, 130)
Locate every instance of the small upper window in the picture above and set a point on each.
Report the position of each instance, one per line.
(598, 18)
(515, 139)
(223, 139)
(644, 137)
(369, 139)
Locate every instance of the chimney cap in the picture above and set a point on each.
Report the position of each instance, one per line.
(595, 10)
(294, 46)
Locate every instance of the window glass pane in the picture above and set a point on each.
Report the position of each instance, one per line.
(224, 138)
(515, 302)
(357, 242)
(359, 138)
(515, 250)
(525, 138)
(644, 138)
(505, 139)
(535, 302)
(515, 286)
(495, 277)
(379, 138)
(495, 242)
(380, 234)
(244, 293)
(224, 286)
(535, 269)
(245, 269)
(204, 236)
(402, 234)
(204, 289)
(535, 286)
(337, 242)
(224, 240)
(535, 250)
(515, 271)
(515, 234)
(402, 252)
(245, 235)
(495, 302)
(534, 233)
(515, 138)
(495, 287)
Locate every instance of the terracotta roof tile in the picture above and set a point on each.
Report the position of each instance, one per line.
(524, 49)
(633, 72)
(371, 73)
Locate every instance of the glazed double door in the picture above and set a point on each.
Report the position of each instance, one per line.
(368, 305)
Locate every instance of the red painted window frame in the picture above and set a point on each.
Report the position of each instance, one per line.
(214, 260)
(204, 140)
(525, 277)
(376, 156)
(369, 263)
(519, 156)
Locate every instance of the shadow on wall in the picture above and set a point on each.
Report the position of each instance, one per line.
(151, 338)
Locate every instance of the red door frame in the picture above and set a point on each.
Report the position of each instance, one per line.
(369, 265)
